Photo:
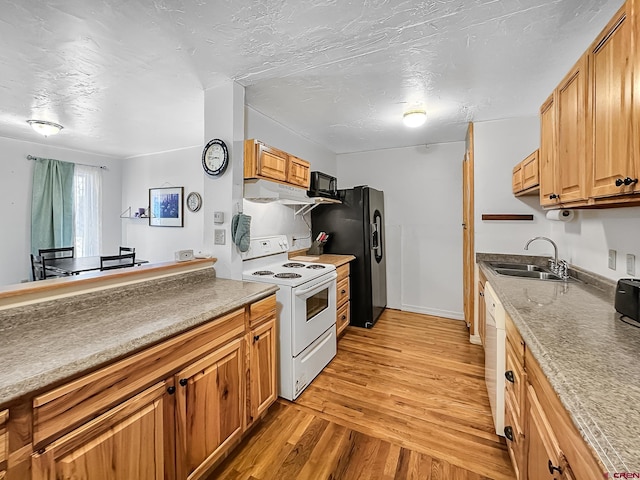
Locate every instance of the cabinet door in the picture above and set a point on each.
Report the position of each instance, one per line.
(4, 442)
(263, 389)
(271, 163)
(298, 173)
(530, 171)
(343, 318)
(571, 97)
(547, 154)
(125, 442)
(610, 109)
(516, 179)
(543, 453)
(209, 407)
(482, 324)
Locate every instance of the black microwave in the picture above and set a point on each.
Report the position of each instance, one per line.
(323, 185)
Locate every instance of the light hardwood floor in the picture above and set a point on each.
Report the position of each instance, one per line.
(404, 400)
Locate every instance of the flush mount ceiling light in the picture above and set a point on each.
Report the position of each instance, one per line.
(414, 118)
(45, 128)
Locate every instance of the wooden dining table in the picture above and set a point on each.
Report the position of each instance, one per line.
(76, 265)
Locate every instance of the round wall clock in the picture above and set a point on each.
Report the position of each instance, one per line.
(194, 201)
(215, 157)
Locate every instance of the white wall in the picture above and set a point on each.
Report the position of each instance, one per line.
(15, 195)
(423, 209)
(273, 218)
(178, 168)
(498, 146)
(586, 240)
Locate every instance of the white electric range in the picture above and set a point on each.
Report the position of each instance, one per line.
(306, 307)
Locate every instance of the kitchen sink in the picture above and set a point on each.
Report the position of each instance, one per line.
(518, 266)
(537, 274)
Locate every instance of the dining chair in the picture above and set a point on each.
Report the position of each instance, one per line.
(37, 270)
(63, 252)
(125, 250)
(111, 262)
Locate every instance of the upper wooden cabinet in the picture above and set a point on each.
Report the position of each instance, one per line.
(611, 161)
(571, 123)
(547, 153)
(526, 178)
(265, 162)
(589, 155)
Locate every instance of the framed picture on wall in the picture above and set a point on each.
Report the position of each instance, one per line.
(166, 207)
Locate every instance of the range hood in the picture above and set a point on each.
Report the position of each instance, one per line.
(265, 191)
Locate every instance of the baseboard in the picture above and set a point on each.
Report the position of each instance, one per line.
(475, 339)
(434, 312)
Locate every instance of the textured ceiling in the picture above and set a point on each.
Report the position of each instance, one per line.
(127, 77)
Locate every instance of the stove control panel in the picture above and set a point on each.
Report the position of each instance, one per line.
(264, 246)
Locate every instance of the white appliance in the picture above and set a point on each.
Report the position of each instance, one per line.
(494, 355)
(306, 306)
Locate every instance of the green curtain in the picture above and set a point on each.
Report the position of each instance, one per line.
(52, 205)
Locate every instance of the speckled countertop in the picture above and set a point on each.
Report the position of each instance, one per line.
(48, 342)
(589, 355)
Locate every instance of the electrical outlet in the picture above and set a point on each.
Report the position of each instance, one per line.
(218, 236)
(612, 259)
(631, 264)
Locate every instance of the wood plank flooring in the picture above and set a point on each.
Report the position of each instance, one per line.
(404, 400)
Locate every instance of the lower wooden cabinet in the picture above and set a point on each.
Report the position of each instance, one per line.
(126, 442)
(209, 407)
(482, 321)
(183, 414)
(263, 390)
(343, 295)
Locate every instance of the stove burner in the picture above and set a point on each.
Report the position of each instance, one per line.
(293, 265)
(288, 275)
(263, 273)
(315, 267)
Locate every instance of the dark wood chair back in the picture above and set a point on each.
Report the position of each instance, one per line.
(124, 250)
(63, 252)
(111, 262)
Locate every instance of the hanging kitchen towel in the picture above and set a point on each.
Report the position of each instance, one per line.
(240, 229)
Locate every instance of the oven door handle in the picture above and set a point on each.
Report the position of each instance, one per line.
(300, 293)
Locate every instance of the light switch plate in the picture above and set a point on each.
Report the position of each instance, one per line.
(218, 217)
(631, 264)
(612, 259)
(218, 236)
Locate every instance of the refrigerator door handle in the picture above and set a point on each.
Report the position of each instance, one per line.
(375, 239)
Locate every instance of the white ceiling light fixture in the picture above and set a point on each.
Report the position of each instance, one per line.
(414, 118)
(45, 128)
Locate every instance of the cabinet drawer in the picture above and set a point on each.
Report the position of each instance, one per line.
(515, 438)
(60, 410)
(515, 389)
(261, 311)
(513, 337)
(343, 272)
(4, 440)
(343, 317)
(342, 294)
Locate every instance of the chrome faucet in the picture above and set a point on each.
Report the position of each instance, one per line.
(554, 262)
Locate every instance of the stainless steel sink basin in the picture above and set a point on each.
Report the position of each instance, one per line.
(519, 266)
(512, 272)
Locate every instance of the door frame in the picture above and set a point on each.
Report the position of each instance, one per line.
(468, 260)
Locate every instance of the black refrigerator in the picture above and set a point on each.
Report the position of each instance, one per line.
(356, 227)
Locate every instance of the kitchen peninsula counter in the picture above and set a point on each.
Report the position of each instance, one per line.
(588, 355)
(49, 342)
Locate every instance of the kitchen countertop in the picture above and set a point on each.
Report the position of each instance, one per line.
(45, 343)
(335, 259)
(589, 356)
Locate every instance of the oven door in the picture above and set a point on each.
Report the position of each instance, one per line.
(314, 310)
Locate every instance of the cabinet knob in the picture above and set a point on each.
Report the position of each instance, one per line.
(343, 291)
(183, 382)
(171, 390)
(509, 376)
(508, 432)
(619, 182)
(629, 180)
(482, 294)
(553, 196)
(553, 468)
(343, 317)
(256, 338)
